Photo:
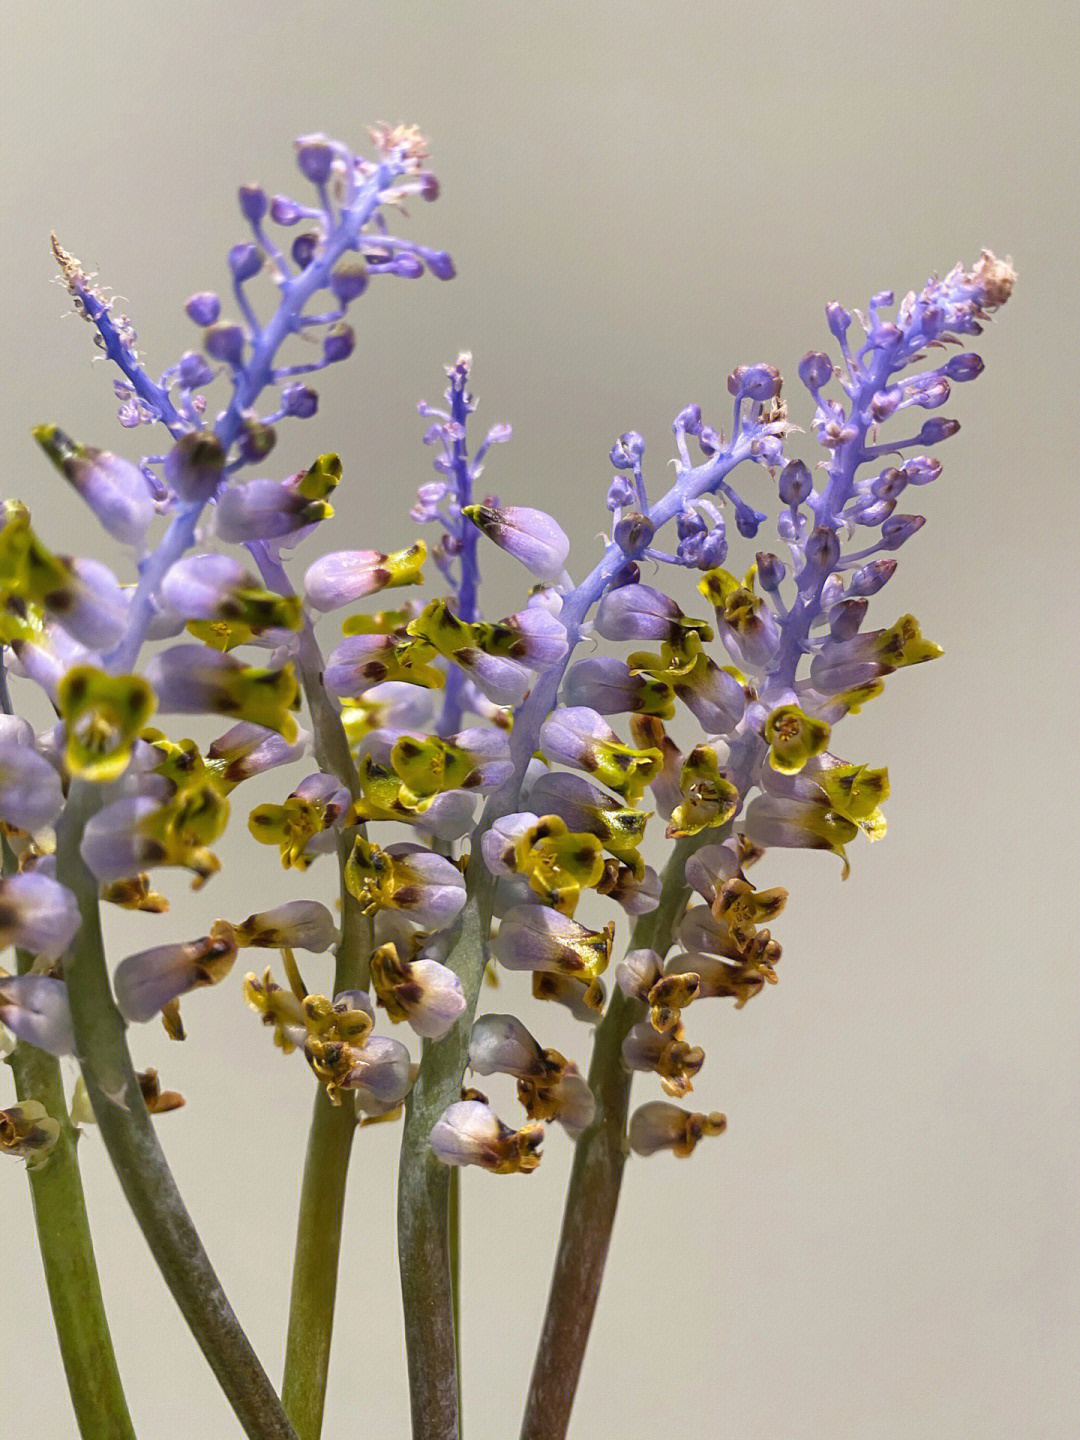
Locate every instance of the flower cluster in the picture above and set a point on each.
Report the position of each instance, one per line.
(448, 758)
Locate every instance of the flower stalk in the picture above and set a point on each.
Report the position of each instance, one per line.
(596, 1180)
(137, 1157)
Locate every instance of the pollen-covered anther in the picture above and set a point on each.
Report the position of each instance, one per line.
(470, 1133)
(659, 1125)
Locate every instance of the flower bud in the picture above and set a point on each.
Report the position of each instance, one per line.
(284, 211)
(203, 307)
(627, 451)
(620, 493)
(224, 340)
(770, 570)
(900, 528)
(637, 612)
(838, 319)
(633, 533)
(922, 469)
(193, 371)
(934, 431)
(795, 483)
(338, 344)
(299, 401)
(438, 262)
(964, 367)
(255, 441)
(688, 420)
(846, 618)
(349, 280)
(253, 202)
(822, 548)
(755, 382)
(245, 261)
(869, 579)
(315, 157)
(815, 370)
(195, 466)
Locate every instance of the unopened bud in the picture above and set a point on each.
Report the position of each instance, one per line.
(204, 308)
(253, 202)
(795, 483)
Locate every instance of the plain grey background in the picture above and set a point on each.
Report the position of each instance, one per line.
(639, 197)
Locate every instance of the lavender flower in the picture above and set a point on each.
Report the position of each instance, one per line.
(488, 739)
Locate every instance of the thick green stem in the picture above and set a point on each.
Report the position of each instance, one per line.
(424, 1187)
(137, 1158)
(63, 1231)
(595, 1181)
(67, 1253)
(322, 1207)
(453, 1222)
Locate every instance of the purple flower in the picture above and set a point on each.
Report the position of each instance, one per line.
(35, 1009)
(37, 914)
(31, 796)
(115, 489)
(531, 536)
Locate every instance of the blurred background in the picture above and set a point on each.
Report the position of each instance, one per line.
(638, 198)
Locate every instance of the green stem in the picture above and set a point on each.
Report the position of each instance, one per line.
(322, 1206)
(67, 1253)
(63, 1231)
(424, 1186)
(595, 1180)
(326, 1165)
(137, 1158)
(453, 1223)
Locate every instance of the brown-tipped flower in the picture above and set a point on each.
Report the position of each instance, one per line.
(470, 1133)
(660, 1125)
